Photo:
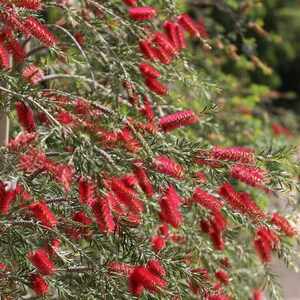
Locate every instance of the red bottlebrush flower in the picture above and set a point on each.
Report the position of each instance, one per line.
(189, 25)
(156, 87)
(262, 247)
(199, 178)
(162, 41)
(256, 294)
(40, 32)
(103, 215)
(4, 61)
(177, 120)
(181, 38)
(268, 235)
(29, 4)
(8, 41)
(130, 180)
(42, 262)
(158, 243)
(171, 32)
(149, 71)
(283, 225)
(165, 165)
(51, 247)
(252, 210)
(155, 268)
(142, 178)
(33, 74)
(146, 50)
(25, 116)
(217, 240)
(81, 218)
(218, 223)
(148, 280)
(130, 2)
(39, 285)
(127, 196)
(21, 141)
(203, 198)
(172, 194)
(86, 191)
(62, 174)
(130, 219)
(142, 13)
(163, 55)
(126, 140)
(7, 195)
(238, 154)
(79, 38)
(146, 109)
(204, 226)
(163, 229)
(225, 262)
(132, 95)
(169, 211)
(222, 276)
(249, 174)
(216, 297)
(202, 28)
(135, 287)
(12, 21)
(43, 214)
(120, 269)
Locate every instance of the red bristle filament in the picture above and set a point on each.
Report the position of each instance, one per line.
(86, 190)
(163, 229)
(127, 196)
(142, 178)
(39, 285)
(146, 50)
(222, 276)
(217, 297)
(142, 13)
(148, 280)
(204, 226)
(189, 25)
(171, 32)
(8, 41)
(33, 74)
(130, 219)
(263, 249)
(120, 269)
(257, 295)
(163, 55)
(4, 61)
(199, 178)
(130, 2)
(22, 141)
(29, 4)
(43, 213)
(180, 34)
(162, 41)
(165, 165)
(135, 287)
(40, 32)
(158, 243)
(81, 218)
(156, 87)
(169, 211)
(51, 247)
(218, 222)
(238, 154)
(177, 120)
(146, 109)
(252, 210)
(172, 194)
(217, 240)
(251, 175)
(149, 71)
(12, 21)
(103, 215)
(268, 235)
(128, 141)
(283, 225)
(203, 198)
(155, 268)
(225, 262)
(129, 180)
(6, 198)
(25, 116)
(42, 262)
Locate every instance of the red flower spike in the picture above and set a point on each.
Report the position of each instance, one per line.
(146, 50)
(130, 219)
(135, 287)
(142, 13)
(162, 41)
(128, 141)
(6, 198)
(164, 230)
(249, 174)
(130, 2)
(252, 210)
(156, 87)
(143, 179)
(199, 178)
(268, 235)
(127, 196)
(257, 295)
(42, 262)
(169, 212)
(43, 214)
(149, 71)
(86, 191)
(40, 32)
(33, 74)
(237, 154)
(4, 61)
(283, 225)
(25, 116)
(181, 38)
(120, 269)
(10, 44)
(158, 243)
(204, 226)
(167, 166)
(171, 32)
(177, 120)
(51, 247)
(217, 297)
(217, 240)
(203, 198)
(84, 220)
(39, 285)
(263, 249)
(163, 55)
(22, 141)
(12, 21)
(222, 276)
(189, 25)
(173, 196)
(155, 268)
(146, 109)
(29, 4)
(225, 262)
(218, 223)
(149, 281)
(130, 180)
(103, 215)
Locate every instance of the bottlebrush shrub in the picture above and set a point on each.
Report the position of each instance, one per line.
(99, 194)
